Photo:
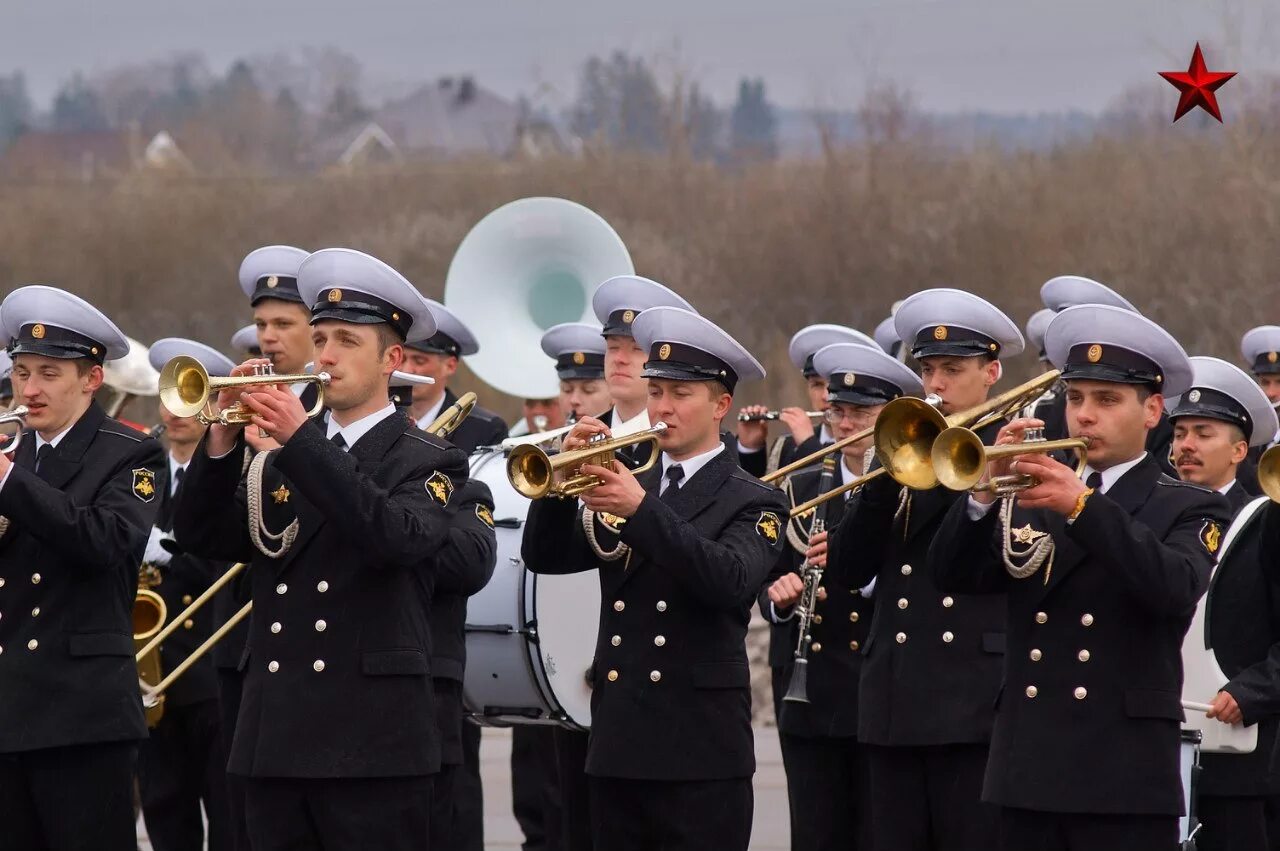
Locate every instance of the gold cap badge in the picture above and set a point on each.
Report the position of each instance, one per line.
(272, 282)
(1095, 353)
(850, 379)
(37, 331)
(335, 295)
(628, 316)
(664, 351)
(1272, 357)
(579, 358)
(940, 333)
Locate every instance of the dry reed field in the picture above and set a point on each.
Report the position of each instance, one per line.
(1182, 222)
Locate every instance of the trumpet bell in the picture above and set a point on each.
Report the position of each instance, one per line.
(904, 435)
(530, 470)
(184, 386)
(1269, 473)
(959, 459)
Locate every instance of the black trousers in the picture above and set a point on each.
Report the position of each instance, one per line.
(180, 768)
(827, 789)
(76, 798)
(1232, 824)
(671, 815)
(344, 814)
(535, 787)
(230, 685)
(1030, 830)
(442, 807)
(468, 795)
(575, 791)
(929, 799)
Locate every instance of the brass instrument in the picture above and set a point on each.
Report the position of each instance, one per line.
(187, 390)
(535, 474)
(1269, 473)
(153, 692)
(960, 459)
(769, 416)
(907, 427)
(14, 416)
(149, 613)
(536, 437)
(450, 418)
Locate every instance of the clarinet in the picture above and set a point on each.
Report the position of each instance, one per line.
(798, 688)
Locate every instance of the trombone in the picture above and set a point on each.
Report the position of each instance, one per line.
(535, 474)
(770, 416)
(153, 693)
(907, 427)
(186, 390)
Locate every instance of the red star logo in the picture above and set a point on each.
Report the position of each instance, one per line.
(1197, 85)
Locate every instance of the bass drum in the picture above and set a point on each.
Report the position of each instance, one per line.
(530, 639)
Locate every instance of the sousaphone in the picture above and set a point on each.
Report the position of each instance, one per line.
(526, 266)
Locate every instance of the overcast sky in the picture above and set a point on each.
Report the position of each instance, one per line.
(1002, 55)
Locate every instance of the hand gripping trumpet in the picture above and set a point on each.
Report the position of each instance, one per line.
(535, 473)
(798, 688)
(187, 390)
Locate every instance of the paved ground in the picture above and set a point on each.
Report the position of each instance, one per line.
(502, 833)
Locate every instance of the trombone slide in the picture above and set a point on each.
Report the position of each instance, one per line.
(152, 695)
(172, 626)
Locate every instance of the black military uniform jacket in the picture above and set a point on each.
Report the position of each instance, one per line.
(671, 696)
(68, 576)
(338, 668)
(1089, 714)
(462, 568)
(839, 631)
(481, 428)
(1243, 625)
(183, 579)
(933, 659)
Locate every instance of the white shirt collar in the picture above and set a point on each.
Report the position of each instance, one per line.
(639, 422)
(691, 465)
(825, 436)
(57, 438)
(1223, 490)
(430, 416)
(358, 429)
(299, 388)
(1111, 475)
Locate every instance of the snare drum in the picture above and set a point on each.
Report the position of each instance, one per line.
(530, 639)
(1189, 825)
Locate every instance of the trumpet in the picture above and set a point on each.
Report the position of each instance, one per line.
(960, 458)
(450, 418)
(536, 437)
(186, 390)
(1269, 473)
(536, 474)
(907, 427)
(769, 416)
(16, 416)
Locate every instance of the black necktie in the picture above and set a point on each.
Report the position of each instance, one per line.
(41, 454)
(1094, 481)
(338, 440)
(674, 474)
(177, 478)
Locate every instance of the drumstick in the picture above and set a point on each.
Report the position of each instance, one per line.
(1197, 707)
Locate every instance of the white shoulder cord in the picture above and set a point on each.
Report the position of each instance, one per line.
(257, 529)
(1035, 554)
(589, 527)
